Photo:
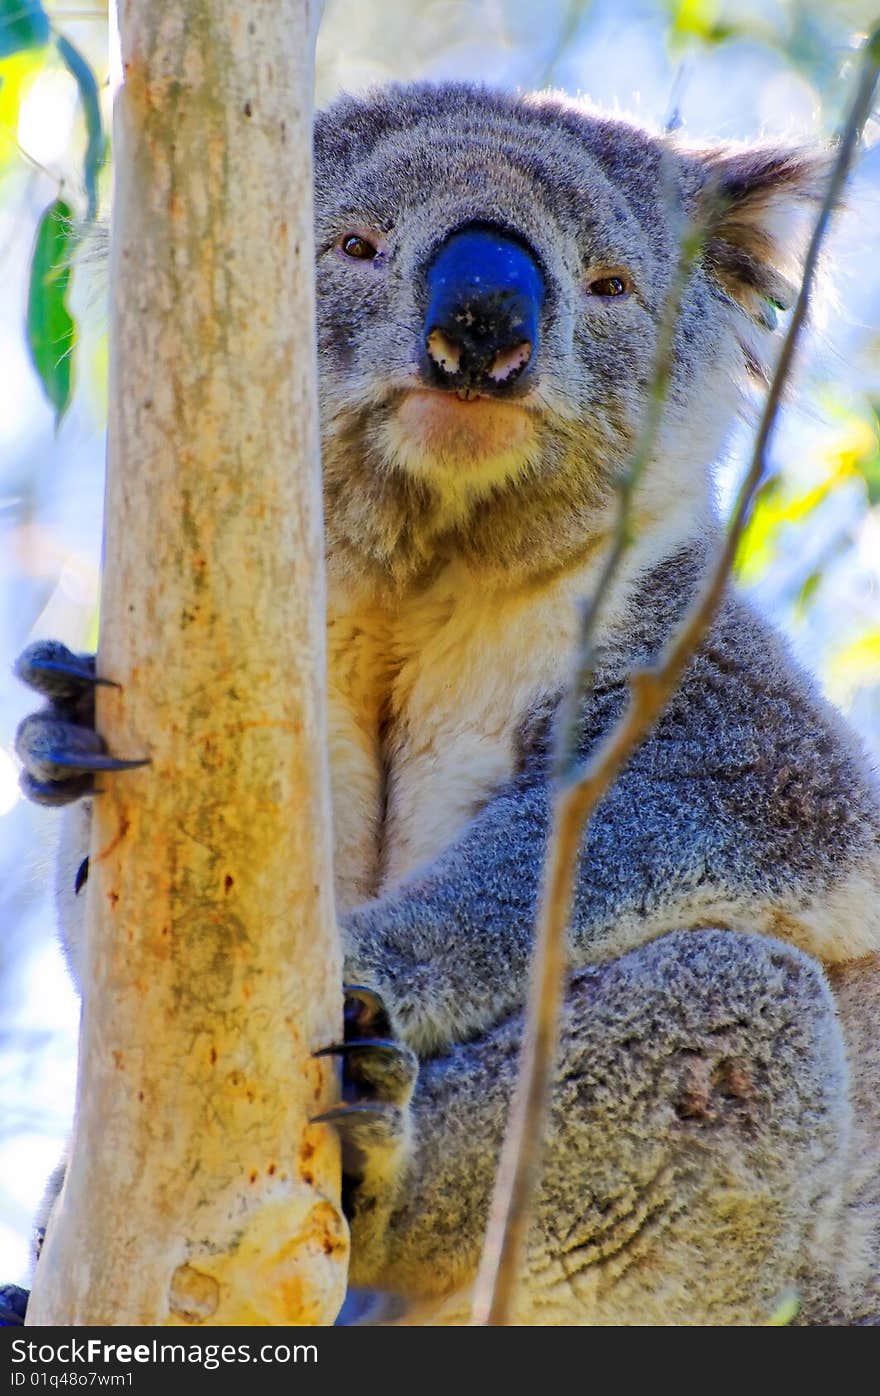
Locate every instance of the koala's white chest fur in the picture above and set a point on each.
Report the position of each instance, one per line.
(472, 662)
(426, 699)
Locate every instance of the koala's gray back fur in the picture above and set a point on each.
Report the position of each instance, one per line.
(714, 1117)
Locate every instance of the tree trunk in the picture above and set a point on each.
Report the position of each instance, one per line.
(197, 1190)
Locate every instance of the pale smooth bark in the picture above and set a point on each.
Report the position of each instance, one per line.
(197, 1190)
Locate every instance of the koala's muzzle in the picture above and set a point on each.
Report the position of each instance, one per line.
(485, 293)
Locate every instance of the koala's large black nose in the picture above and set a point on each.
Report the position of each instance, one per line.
(485, 293)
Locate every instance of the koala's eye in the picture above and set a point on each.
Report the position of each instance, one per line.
(357, 247)
(608, 287)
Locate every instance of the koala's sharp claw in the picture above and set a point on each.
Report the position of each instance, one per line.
(78, 671)
(51, 747)
(55, 671)
(97, 761)
(381, 1044)
(342, 1114)
(375, 1071)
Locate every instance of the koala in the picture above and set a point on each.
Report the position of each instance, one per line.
(491, 274)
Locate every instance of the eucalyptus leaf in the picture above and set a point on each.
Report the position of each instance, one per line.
(23, 24)
(51, 331)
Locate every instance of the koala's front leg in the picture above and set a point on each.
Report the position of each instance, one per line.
(695, 1154)
(58, 746)
(378, 1076)
(61, 754)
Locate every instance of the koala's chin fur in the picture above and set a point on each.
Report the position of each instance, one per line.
(715, 1122)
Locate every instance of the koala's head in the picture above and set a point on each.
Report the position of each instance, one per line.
(492, 271)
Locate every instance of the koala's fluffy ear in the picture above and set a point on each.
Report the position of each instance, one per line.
(766, 199)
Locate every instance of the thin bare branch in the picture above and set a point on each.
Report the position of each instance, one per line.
(692, 238)
(577, 794)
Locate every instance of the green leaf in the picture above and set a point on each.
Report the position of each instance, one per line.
(88, 94)
(23, 24)
(51, 332)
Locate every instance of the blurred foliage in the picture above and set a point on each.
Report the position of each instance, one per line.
(51, 334)
(783, 502)
(84, 78)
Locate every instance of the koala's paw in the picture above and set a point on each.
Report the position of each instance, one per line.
(378, 1078)
(58, 746)
(13, 1306)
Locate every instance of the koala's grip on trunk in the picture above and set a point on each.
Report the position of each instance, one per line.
(491, 275)
(695, 1152)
